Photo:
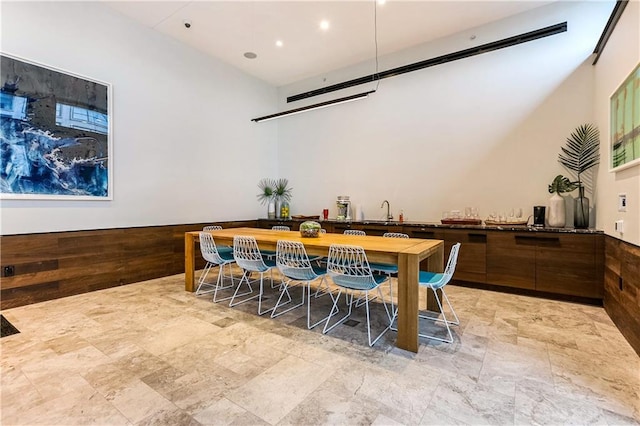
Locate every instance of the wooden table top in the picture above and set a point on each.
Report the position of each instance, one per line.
(375, 246)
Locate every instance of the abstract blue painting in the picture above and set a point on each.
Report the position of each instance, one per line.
(55, 133)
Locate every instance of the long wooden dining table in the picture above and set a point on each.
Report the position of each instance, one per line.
(407, 253)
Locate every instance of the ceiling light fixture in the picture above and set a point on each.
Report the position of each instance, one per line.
(279, 43)
(324, 25)
(314, 106)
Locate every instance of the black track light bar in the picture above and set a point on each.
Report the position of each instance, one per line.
(461, 54)
(314, 106)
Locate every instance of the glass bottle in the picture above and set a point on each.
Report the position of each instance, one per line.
(581, 210)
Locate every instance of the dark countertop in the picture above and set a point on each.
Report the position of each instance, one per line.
(519, 228)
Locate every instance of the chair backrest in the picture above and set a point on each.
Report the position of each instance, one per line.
(280, 228)
(354, 232)
(348, 266)
(212, 228)
(293, 262)
(453, 260)
(247, 254)
(209, 250)
(395, 235)
(451, 266)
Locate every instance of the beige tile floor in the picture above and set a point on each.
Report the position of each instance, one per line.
(150, 353)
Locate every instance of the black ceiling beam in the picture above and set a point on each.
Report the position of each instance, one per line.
(461, 54)
(616, 13)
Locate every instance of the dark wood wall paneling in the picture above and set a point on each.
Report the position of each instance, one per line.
(622, 288)
(52, 265)
(59, 264)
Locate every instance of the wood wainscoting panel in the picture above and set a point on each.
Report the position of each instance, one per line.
(59, 264)
(622, 288)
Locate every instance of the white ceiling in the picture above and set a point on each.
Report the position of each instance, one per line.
(228, 29)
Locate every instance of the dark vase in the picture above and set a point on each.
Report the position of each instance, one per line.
(581, 210)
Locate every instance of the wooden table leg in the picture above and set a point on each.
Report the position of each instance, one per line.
(189, 262)
(408, 270)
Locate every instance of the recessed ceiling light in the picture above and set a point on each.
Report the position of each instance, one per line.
(250, 55)
(324, 25)
(381, 2)
(279, 43)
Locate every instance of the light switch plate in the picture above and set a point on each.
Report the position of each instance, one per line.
(619, 226)
(622, 202)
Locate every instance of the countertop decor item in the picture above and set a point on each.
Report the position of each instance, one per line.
(557, 211)
(282, 196)
(266, 186)
(581, 153)
(310, 229)
(461, 221)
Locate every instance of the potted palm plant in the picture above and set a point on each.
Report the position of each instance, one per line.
(581, 153)
(267, 196)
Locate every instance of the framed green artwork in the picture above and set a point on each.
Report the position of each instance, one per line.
(625, 123)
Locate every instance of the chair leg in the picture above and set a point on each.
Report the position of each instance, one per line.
(202, 282)
(446, 323)
(285, 289)
(335, 309)
(220, 283)
(309, 325)
(320, 291)
(260, 311)
(387, 328)
(245, 278)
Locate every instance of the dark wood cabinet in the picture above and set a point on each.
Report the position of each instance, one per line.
(560, 263)
(472, 257)
(511, 259)
(567, 264)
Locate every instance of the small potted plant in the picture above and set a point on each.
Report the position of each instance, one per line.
(282, 196)
(267, 195)
(560, 185)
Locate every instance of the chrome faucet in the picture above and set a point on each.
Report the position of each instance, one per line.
(389, 215)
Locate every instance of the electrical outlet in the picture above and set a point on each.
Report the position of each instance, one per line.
(9, 271)
(622, 202)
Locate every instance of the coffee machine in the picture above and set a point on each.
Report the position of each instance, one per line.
(538, 216)
(344, 207)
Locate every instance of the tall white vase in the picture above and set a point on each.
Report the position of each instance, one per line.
(557, 217)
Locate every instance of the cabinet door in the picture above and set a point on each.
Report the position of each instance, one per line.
(567, 264)
(511, 259)
(270, 223)
(378, 230)
(427, 234)
(339, 228)
(472, 257)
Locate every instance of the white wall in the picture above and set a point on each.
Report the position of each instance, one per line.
(484, 131)
(620, 56)
(185, 150)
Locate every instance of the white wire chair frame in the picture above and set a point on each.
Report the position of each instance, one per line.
(349, 269)
(294, 264)
(249, 258)
(214, 258)
(212, 228)
(270, 254)
(387, 268)
(436, 282)
(354, 232)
